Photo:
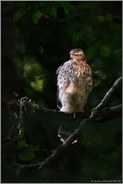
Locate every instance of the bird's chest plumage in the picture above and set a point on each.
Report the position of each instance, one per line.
(77, 72)
(72, 77)
(72, 85)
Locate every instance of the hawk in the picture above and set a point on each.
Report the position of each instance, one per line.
(74, 82)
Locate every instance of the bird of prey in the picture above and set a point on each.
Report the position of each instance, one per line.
(74, 82)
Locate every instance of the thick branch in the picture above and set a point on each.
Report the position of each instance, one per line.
(98, 115)
(112, 113)
(115, 110)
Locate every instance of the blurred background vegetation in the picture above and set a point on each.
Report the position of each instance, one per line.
(36, 38)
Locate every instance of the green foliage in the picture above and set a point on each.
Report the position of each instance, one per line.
(36, 38)
(36, 16)
(17, 16)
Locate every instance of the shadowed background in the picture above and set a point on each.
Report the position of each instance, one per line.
(36, 39)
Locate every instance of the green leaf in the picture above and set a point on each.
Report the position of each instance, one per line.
(17, 16)
(36, 16)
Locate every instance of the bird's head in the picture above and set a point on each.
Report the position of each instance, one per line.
(77, 54)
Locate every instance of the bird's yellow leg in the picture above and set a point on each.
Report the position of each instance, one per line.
(74, 114)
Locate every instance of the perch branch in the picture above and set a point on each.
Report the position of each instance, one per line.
(107, 98)
(109, 114)
(94, 117)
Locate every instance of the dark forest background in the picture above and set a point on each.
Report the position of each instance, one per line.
(36, 38)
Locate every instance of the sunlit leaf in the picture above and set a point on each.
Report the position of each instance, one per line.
(37, 84)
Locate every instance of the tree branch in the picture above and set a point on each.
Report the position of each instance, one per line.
(109, 114)
(95, 117)
(107, 98)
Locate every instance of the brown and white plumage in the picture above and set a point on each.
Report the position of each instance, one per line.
(74, 82)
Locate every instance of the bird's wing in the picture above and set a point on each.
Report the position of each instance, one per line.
(58, 73)
(88, 79)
